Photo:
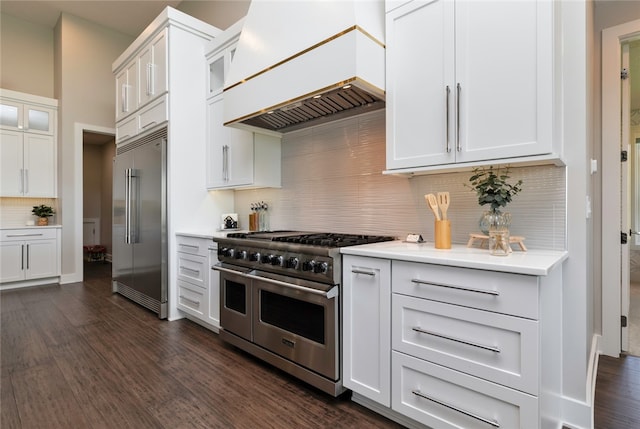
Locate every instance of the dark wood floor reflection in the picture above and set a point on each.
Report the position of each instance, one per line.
(617, 401)
(77, 356)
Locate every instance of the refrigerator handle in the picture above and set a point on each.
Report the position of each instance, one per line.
(134, 207)
(127, 206)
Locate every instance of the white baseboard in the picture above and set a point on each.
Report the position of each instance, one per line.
(579, 414)
(70, 278)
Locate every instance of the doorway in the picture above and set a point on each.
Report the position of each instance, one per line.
(98, 151)
(620, 311)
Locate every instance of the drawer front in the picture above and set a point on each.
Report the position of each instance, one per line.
(192, 298)
(443, 398)
(28, 234)
(193, 269)
(126, 129)
(506, 293)
(193, 245)
(154, 114)
(503, 349)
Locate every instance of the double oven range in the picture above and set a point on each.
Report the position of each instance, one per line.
(280, 300)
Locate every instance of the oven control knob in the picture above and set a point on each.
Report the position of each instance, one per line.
(278, 260)
(254, 257)
(293, 262)
(242, 254)
(227, 252)
(321, 268)
(308, 265)
(266, 259)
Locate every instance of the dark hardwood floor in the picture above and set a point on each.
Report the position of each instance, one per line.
(617, 401)
(77, 356)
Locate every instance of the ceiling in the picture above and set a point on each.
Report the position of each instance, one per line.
(128, 17)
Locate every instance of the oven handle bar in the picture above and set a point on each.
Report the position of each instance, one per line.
(331, 293)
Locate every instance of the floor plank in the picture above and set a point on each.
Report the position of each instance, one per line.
(79, 356)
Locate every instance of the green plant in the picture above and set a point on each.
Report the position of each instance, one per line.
(492, 188)
(43, 211)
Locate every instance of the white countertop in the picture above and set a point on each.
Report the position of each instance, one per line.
(29, 227)
(205, 235)
(532, 262)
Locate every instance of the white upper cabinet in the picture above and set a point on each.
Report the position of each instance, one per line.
(236, 158)
(152, 68)
(126, 88)
(28, 149)
(467, 85)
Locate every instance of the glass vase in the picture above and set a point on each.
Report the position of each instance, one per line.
(495, 224)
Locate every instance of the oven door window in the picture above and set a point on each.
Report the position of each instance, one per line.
(303, 318)
(235, 296)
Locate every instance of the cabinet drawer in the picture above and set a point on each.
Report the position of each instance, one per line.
(506, 293)
(503, 349)
(192, 298)
(193, 269)
(443, 398)
(193, 245)
(154, 114)
(28, 234)
(126, 129)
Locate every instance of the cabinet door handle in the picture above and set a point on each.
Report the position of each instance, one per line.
(22, 257)
(458, 143)
(365, 272)
(123, 97)
(26, 181)
(447, 110)
(466, 289)
(21, 178)
(149, 78)
(28, 256)
(457, 340)
(493, 423)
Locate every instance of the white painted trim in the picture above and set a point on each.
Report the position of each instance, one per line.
(611, 122)
(78, 275)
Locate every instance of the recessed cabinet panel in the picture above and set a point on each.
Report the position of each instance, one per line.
(11, 163)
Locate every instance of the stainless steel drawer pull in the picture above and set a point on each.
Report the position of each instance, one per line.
(366, 273)
(457, 340)
(24, 235)
(183, 268)
(190, 300)
(189, 245)
(493, 423)
(467, 289)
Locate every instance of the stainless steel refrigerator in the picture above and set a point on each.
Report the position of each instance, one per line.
(140, 222)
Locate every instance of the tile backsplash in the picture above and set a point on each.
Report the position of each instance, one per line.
(16, 212)
(332, 181)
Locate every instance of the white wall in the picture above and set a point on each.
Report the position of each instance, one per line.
(85, 89)
(26, 56)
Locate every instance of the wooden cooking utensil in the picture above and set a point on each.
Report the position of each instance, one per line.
(443, 203)
(433, 204)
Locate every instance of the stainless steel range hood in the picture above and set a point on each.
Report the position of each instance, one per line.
(302, 63)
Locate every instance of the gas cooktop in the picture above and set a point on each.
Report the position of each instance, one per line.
(320, 239)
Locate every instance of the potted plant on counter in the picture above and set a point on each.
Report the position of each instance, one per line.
(43, 212)
(493, 189)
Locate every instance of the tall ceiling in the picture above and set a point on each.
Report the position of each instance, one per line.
(128, 17)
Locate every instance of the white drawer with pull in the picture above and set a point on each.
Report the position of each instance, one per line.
(506, 293)
(193, 245)
(445, 399)
(492, 346)
(192, 298)
(28, 234)
(193, 268)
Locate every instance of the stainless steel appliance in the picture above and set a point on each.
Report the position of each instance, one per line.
(280, 300)
(139, 266)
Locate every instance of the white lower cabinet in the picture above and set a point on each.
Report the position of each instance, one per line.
(29, 255)
(197, 292)
(443, 398)
(367, 333)
(448, 347)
